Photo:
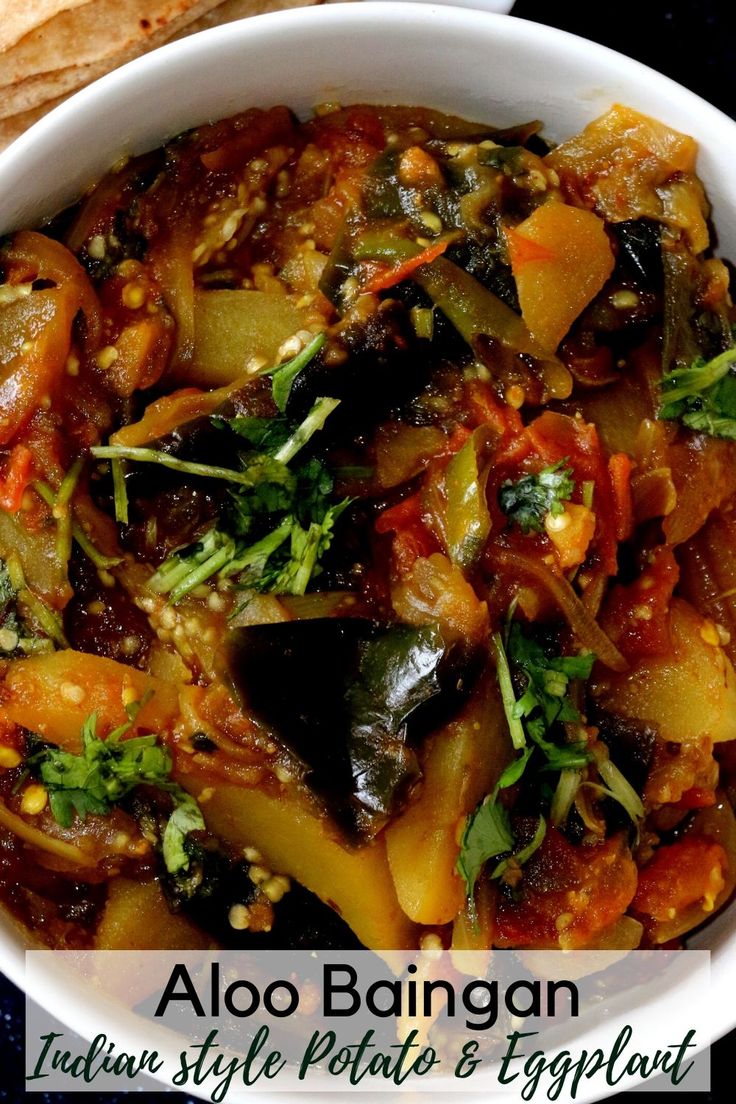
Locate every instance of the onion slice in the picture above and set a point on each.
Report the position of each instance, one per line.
(36, 838)
(585, 627)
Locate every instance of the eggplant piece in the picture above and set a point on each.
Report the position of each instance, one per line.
(103, 620)
(182, 506)
(350, 698)
(631, 743)
(640, 250)
(202, 440)
(385, 364)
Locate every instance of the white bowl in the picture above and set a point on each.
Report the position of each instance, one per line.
(486, 67)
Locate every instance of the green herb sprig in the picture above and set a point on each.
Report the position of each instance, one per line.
(107, 771)
(533, 721)
(527, 501)
(279, 520)
(703, 396)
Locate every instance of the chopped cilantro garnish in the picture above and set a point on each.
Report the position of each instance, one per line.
(276, 526)
(17, 636)
(528, 500)
(703, 396)
(488, 835)
(533, 721)
(536, 721)
(518, 858)
(620, 789)
(545, 700)
(107, 771)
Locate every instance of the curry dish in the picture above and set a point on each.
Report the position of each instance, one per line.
(368, 549)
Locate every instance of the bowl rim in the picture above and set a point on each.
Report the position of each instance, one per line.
(509, 29)
(343, 14)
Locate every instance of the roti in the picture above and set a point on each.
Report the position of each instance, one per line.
(106, 31)
(17, 20)
(230, 10)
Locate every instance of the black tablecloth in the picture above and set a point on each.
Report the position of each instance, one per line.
(692, 41)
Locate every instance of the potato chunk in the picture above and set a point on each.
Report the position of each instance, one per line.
(136, 917)
(230, 327)
(460, 767)
(617, 163)
(686, 694)
(54, 694)
(295, 839)
(561, 258)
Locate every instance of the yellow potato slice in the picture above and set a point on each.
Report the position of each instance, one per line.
(295, 839)
(687, 694)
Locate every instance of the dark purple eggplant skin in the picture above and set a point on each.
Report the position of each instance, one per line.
(351, 698)
(640, 251)
(385, 365)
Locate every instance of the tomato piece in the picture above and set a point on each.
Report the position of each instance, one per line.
(17, 479)
(554, 438)
(412, 538)
(697, 797)
(485, 408)
(619, 469)
(567, 894)
(636, 616)
(680, 875)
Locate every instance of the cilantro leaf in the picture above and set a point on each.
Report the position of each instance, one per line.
(107, 771)
(520, 857)
(17, 637)
(532, 717)
(262, 434)
(513, 772)
(487, 835)
(534, 721)
(528, 500)
(283, 377)
(703, 396)
(8, 592)
(67, 803)
(273, 532)
(620, 789)
(186, 817)
(546, 679)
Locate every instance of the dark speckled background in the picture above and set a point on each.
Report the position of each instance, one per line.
(693, 41)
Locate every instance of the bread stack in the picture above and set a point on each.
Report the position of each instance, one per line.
(52, 48)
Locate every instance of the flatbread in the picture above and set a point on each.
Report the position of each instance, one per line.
(29, 100)
(20, 17)
(13, 127)
(105, 29)
(36, 89)
(230, 10)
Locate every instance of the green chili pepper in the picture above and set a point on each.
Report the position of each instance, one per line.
(467, 518)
